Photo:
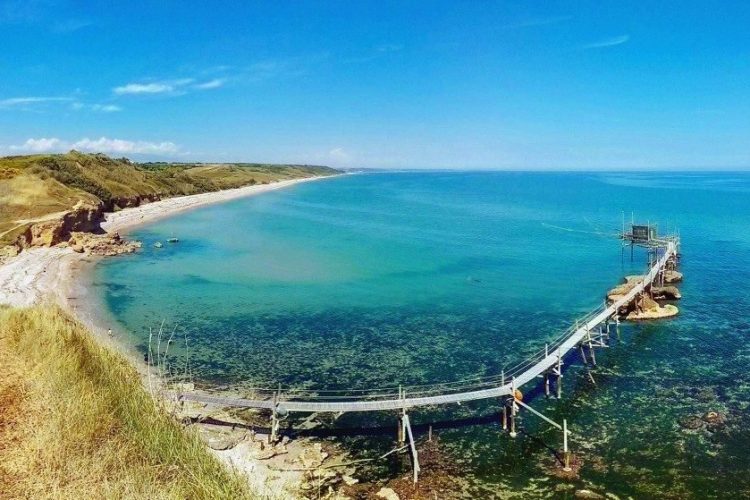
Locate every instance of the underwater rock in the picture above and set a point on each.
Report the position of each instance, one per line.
(714, 419)
(705, 395)
(691, 422)
(588, 494)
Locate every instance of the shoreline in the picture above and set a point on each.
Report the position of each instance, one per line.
(40, 274)
(61, 276)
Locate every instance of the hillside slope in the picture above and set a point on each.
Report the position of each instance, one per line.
(42, 187)
(76, 422)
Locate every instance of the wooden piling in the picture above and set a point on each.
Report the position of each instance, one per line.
(559, 374)
(513, 408)
(566, 452)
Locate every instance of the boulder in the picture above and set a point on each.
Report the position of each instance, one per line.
(666, 293)
(644, 308)
(691, 422)
(671, 276)
(714, 418)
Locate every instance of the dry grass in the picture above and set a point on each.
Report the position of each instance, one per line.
(75, 422)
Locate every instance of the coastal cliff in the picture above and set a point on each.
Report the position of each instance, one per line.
(45, 199)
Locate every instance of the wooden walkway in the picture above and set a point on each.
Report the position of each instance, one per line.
(547, 362)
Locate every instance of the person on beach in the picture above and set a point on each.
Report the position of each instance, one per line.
(109, 332)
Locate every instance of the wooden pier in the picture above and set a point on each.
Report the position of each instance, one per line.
(587, 334)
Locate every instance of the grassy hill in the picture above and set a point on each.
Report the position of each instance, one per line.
(36, 187)
(76, 422)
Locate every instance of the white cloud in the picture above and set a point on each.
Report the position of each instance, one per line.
(158, 87)
(143, 88)
(211, 84)
(607, 42)
(106, 108)
(100, 108)
(39, 145)
(21, 101)
(101, 145)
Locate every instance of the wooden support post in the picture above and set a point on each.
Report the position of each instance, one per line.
(583, 354)
(413, 447)
(566, 452)
(505, 415)
(513, 408)
(273, 436)
(559, 374)
(546, 384)
(429, 433)
(591, 347)
(401, 422)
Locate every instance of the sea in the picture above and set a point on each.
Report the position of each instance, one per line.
(381, 279)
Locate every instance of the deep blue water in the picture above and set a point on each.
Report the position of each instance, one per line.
(385, 279)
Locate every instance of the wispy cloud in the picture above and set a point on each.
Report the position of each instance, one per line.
(23, 101)
(100, 145)
(157, 87)
(39, 103)
(607, 42)
(101, 108)
(174, 87)
(211, 84)
(541, 21)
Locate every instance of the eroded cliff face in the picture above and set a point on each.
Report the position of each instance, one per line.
(130, 201)
(84, 217)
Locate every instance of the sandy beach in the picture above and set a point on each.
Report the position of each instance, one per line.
(48, 274)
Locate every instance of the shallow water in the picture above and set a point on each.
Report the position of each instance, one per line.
(385, 279)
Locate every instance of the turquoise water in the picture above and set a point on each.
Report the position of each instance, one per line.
(408, 278)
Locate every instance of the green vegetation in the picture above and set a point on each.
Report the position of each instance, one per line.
(76, 421)
(34, 187)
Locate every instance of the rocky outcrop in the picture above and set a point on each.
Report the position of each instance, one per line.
(130, 201)
(666, 293)
(672, 276)
(84, 217)
(80, 229)
(101, 244)
(644, 307)
(620, 291)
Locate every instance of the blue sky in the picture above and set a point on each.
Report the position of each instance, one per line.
(406, 84)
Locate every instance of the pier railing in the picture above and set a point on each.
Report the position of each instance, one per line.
(545, 359)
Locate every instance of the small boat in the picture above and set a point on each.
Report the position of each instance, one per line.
(173, 239)
(158, 244)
